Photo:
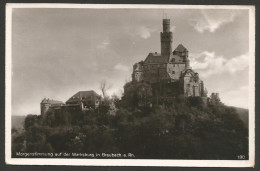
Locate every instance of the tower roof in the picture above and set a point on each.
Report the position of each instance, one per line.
(180, 48)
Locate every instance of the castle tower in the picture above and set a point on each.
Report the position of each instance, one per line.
(166, 39)
(187, 64)
(137, 72)
(45, 105)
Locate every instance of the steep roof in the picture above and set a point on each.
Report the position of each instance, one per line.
(51, 101)
(83, 95)
(154, 58)
(180, 48)
(155, 54)
(189, 71)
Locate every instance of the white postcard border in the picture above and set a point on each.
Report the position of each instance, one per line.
(129, 162)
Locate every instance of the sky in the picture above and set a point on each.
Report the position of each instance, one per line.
(58, 52)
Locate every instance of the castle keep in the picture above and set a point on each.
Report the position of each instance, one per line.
(169, 72)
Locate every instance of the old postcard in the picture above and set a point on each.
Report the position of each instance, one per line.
(130, 85)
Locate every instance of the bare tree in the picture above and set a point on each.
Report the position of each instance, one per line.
(104, 86)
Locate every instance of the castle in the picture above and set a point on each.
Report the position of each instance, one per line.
(169, 73)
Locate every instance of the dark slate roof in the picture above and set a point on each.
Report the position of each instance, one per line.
(51, 101)
(83, 94)
(180, 48)
(155, 58)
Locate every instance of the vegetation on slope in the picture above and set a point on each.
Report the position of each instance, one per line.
(176, 132)
(185, 129)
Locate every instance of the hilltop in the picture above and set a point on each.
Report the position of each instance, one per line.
(184, 130)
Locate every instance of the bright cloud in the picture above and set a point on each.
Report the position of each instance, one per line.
(144, 32)
(211, 21)
(210, 64)
(121, 67)
(173, 28)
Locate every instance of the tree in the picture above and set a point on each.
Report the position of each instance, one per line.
(104, 86)
(30, 121)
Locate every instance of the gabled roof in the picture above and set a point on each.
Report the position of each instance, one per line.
(154, 58)
(192, 72)
(180, 48)
(51, 101)
(83, 95)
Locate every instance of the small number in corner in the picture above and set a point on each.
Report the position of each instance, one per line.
(241, 157)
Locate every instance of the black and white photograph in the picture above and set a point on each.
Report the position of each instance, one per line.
(130, 85)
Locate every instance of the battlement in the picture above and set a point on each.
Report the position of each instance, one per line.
(166, 25)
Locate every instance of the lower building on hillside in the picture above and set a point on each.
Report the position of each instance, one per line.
(83, 100)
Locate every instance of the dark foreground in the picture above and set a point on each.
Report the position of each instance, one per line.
(183, 130)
